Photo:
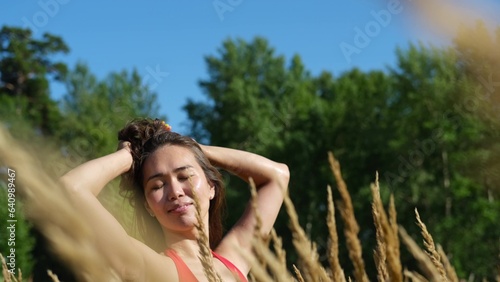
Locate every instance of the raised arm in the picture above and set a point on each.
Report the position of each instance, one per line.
(93, 175)
(84, 183)
(271, 180)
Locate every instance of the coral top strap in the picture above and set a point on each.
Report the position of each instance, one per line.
(183, 271)
(230, 266)
(185, 274)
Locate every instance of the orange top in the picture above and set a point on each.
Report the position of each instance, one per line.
(185, 274)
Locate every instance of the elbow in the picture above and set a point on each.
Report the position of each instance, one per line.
(283, 175)
(67, 184)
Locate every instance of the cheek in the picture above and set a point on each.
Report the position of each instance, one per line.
(154, 197)
(195, 184)
(200, 186)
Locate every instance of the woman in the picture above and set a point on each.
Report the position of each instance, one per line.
(162, 169)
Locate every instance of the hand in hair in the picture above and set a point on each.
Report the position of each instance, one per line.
(124, 145)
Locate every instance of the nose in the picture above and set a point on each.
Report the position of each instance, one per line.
(176, 191)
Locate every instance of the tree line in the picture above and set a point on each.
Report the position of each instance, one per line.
(429, 125)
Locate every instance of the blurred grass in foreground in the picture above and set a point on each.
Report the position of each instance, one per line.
(49, 208)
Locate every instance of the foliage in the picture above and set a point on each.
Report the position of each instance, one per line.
(83, 125)
(25, 65)
(429, 125)
(95, 110)
(411, 124)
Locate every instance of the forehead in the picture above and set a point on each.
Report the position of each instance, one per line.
(167, 158)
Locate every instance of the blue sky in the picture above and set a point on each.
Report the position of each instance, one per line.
(166, 41)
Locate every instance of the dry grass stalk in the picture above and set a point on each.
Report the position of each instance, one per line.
(380, 252)
(431, 248)
(424, 262)
(395, 268)
(8, 276)
(258, 272)
(388, 234)
(258, 221)
(53, 276)
(52, 212)
(312, 267)
(276, 268)
(333, 252)
(277, 264)
(351, 226)
(49, 207)
(415, 277)
(203, 242)
(450, 270)
(380, 263)
(298, 274)
(278, 248)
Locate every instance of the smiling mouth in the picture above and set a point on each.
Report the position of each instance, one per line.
(180, 208)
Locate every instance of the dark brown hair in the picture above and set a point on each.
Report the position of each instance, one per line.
(146, 136)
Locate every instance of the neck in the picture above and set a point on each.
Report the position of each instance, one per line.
(184, 243)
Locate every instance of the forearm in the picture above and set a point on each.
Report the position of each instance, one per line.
(246, 165)
(271, 180)
(93, 175)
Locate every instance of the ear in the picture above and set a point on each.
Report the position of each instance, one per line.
(212, 190)
(150, 211)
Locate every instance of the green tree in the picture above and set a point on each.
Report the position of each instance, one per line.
(479, 58)
(247, 85)
(259, 104)
(26, 66)
(95, 110)
(430, 172)
(246, 80)
(83, 125)
(410, 123)
(26, 108)
(349, 118)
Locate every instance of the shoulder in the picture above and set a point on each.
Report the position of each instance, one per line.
(155, 266)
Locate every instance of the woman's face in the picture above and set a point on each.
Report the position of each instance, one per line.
(170, 175)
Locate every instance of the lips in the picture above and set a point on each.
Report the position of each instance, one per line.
(180, 208)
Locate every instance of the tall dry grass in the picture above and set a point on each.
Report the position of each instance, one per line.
(203, 241)
(351, 225)
(49, 208)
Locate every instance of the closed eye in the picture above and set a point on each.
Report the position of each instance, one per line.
(184, 177)
(157, 186)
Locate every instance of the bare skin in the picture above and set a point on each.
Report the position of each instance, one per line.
(169, 198)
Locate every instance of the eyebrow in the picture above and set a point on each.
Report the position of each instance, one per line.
(160, 174)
